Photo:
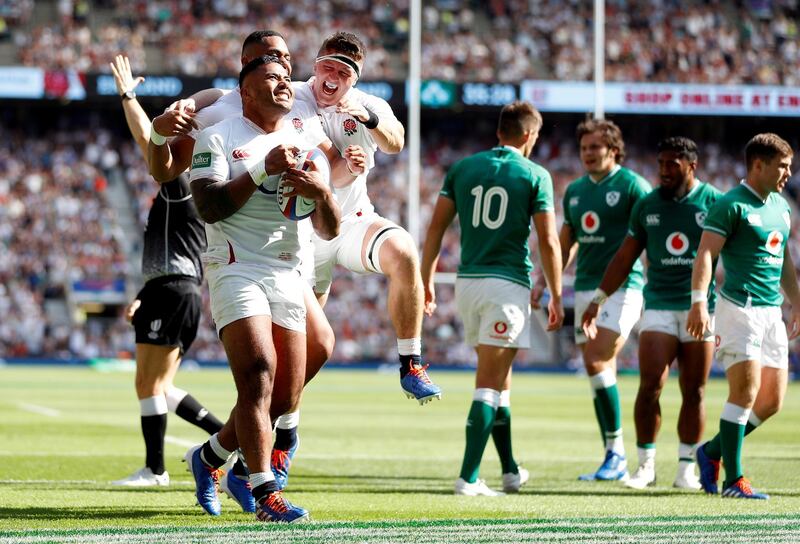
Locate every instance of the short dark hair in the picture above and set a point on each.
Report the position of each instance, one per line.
(255, 63)
(345, 43)
(684, 147)
(766, 146)
(609, 131)
(517, 118)
(258, 36)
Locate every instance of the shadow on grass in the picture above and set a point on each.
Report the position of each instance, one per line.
(77, 513)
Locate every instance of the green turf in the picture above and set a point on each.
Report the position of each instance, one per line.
(372, 466)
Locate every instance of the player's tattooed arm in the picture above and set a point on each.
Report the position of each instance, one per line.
(217, 200)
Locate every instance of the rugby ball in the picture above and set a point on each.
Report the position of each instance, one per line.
(295, 207)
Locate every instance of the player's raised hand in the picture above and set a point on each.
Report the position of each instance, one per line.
(308, 182)
(351, 107)
(174, 123)
(555, 315)
(280, 159)
(589, 320)
(697, 321)
(356, 159)
(793, 326)
(123, 77)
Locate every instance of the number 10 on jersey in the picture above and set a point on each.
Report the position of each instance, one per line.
(483, 205)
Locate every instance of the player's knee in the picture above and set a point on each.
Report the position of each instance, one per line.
(255, 383)
(147, 386)
(770, 408)
(399, 255)
(693, 395)
(651, 386)
(320, 347)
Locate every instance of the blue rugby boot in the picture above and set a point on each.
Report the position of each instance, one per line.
(709, 470)
(239, 490)
(417, 385)
(280, 463)
(206, 480)
(741, 489)
(277, 509)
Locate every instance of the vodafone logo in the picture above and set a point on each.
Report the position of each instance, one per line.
(774, 242)
(677, 243)
(500, 327)
(590, 222)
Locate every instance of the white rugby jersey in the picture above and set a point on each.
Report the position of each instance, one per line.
(257, 233)
(344, 130)
(229, 105)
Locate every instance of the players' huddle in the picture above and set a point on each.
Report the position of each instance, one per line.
(277, 222)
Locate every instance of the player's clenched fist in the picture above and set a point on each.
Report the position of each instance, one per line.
(356, 159)
(281, 158)
(174, 123)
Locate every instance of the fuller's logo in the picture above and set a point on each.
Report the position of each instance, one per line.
(677, 243)
(774, 242)
(590, 222)
(612, 198)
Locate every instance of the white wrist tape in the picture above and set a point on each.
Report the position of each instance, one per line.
(599, 297)
(155, 137)
(258, 172)
(698, 295)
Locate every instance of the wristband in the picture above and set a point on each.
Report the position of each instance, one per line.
(599, 297)
(258, 172)
(698, 295)
(372, 121)
(155, 137)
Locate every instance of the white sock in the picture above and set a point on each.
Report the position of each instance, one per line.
(686, 453)
(487, 396)
(505, 399)
(153, 406)
(221, 452)
(259, 478)
(409, 346)
(174, 398)
(754, 420)
(735, 414)
(616, 444)
(288, 421)
(645, 454)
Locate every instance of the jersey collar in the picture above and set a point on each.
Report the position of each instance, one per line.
(755, 194)
(691, 192)
(510, 148)
(608, 176)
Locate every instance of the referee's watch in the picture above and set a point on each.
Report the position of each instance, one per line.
(128, 95)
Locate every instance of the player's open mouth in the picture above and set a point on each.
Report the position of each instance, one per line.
(329, 88)
(286, 95)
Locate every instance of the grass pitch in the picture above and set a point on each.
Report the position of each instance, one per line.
(372, 466)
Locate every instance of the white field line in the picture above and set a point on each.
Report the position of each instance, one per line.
(37, 409)
(78, 482)
(174, 440)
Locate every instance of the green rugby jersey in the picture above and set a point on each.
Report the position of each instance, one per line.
(598, 213)
(670, 230)
(496, 193)
(756, 232)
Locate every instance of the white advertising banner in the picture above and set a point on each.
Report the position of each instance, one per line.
(21, 82)
(665, 98)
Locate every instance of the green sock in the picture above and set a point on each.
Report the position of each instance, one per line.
(608, 400)
(479, 427)
(713, 447)
(731, 438)
(501, 434)
(600, 420)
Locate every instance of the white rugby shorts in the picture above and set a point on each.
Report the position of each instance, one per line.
(619, 313)
(242, 290)
(345, 249)
(673, 323)
(757, 333)
(495, 312)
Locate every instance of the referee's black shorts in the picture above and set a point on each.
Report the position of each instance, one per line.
(170, 312)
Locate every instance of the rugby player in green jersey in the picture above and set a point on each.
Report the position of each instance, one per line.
(596, 211)
(668, 224)
(495, 194)
(749, 226)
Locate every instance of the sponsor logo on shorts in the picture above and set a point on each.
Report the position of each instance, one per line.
(500, 330)
(155, 326)
(590, 222)
(285, 256)
(612, 198)
(349, 127)
(677, 243)
(201, 160)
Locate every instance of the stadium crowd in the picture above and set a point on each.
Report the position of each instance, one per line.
(52, 195)
(697, 41)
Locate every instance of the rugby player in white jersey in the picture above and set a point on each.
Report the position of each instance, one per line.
(252, 265)
(182, 123)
